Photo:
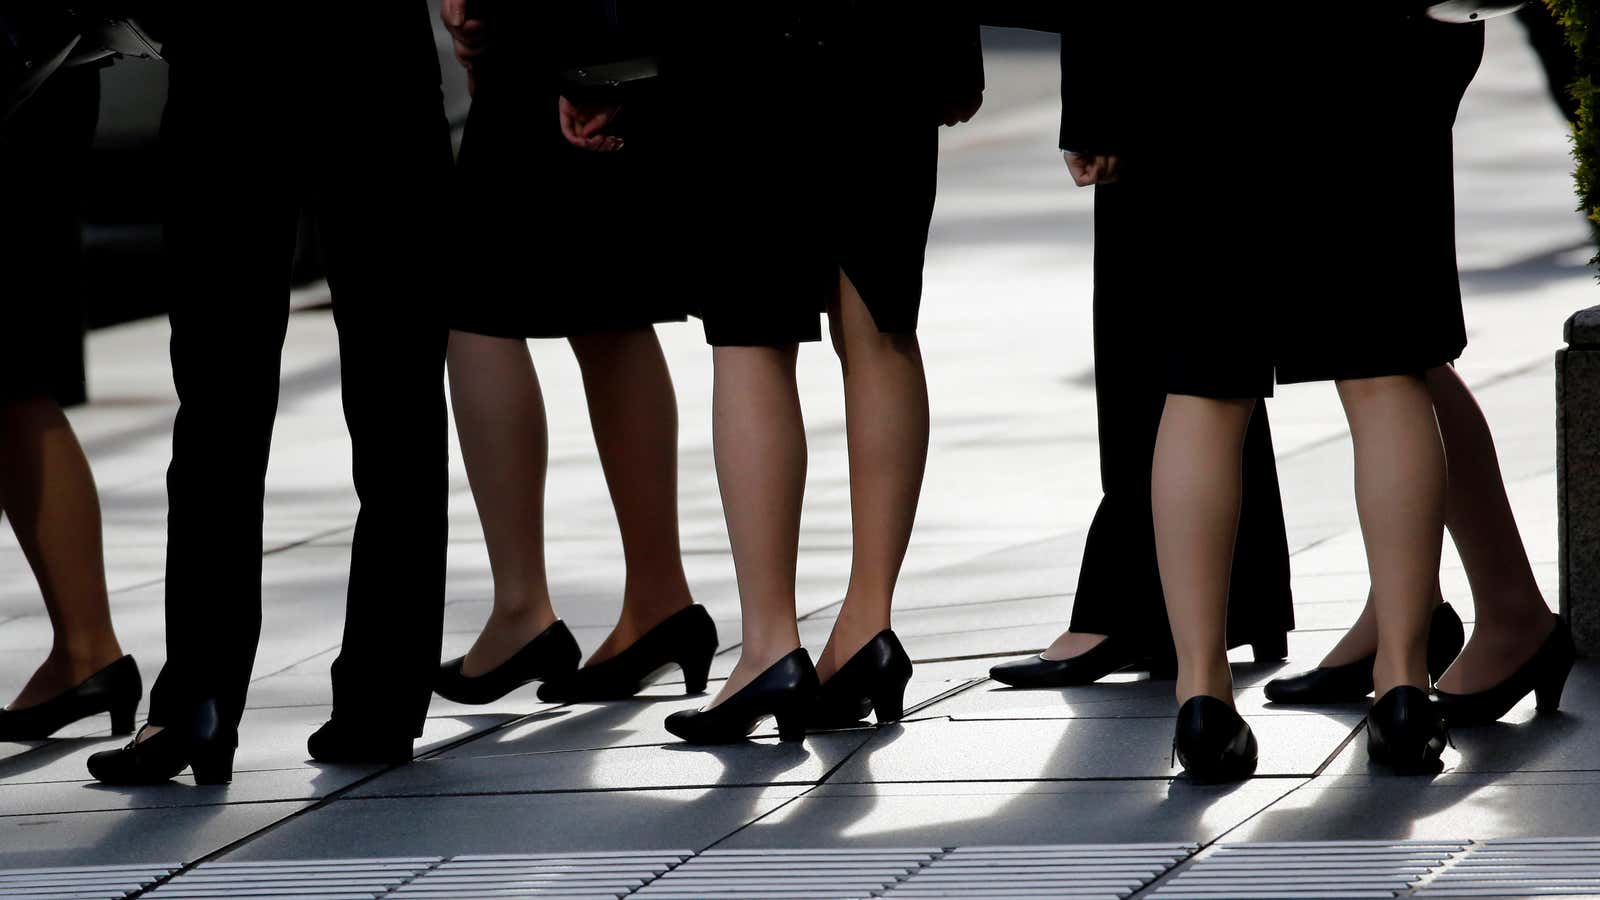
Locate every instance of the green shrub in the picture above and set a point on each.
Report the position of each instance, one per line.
(1581, 18)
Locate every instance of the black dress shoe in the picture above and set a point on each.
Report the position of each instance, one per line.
(1544, 676)
(686, 639)
(1213, 742)
(1110, 655)
(1352, 682)
(553, 654)
(339, 743)
(874, 680)
(115, 689)
(1406, 732)
(785, 690)
(201, 744)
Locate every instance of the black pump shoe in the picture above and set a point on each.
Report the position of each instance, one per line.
(873, 680)
(553, 654)
(785, 690)
(1352, 682)
(115, 689)
(1213, 742)
(1544, 675)
(1406, 732)
(686, 639)
(1110, 655)
(340, 743)
(202, 744)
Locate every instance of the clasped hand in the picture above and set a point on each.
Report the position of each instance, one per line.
(581, 124)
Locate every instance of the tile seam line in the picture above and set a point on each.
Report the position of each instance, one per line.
(784, 805)
(327, 800)
(1190, 860)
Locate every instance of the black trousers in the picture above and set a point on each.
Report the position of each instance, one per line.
(369, 155)
(1119, 584)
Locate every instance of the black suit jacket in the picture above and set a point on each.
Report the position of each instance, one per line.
(378, 42)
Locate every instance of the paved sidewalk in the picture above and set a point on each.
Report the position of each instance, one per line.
(1011, 486)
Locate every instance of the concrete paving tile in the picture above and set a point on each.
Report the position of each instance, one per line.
(1524, 741)
(177, 834)
(1079, 748)
(1557, 804)
(306, 784)
(1122, 699)
(1007, 814)
(758, 762)
(520, 823)
(269, 740)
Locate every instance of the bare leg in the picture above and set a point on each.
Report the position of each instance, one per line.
(1512, 619)
(1400, 497)
(1196, 486)
(760, 442)
(634, 413)
(500, 418)
(1478, 515)
(886, 425)
(61, 540)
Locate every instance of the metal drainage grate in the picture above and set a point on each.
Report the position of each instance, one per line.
(1085, 870)
(783, 874)
(339, 879)
(1551, 867)
(544, 875)
(81, 882)
(1342, 869)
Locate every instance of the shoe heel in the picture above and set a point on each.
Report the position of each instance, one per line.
(122, 717)
(1547, 695)
(890, 706)
(1271, 649)
(212, 766)
(696, 672)
(791, 725)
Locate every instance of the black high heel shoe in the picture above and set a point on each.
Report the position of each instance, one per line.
(1544, 675)
(1213, 742)
(115, 689)
(874, 680)
(201, 744)
(686, 639)
(1113, 654)
(553, 654)
(1352, 682)
(785, 690)
(1406, 732)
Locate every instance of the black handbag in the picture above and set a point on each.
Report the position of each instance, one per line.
(1463, 11)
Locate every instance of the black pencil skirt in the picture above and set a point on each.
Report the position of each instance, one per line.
(796, 160)
(1332, 254)
(556, 241)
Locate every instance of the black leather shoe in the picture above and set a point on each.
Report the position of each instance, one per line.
(686, 639)
(874, 680)
(553, 654)
(338, 743)
(785, 690)
(1352, 682)
(1406, 732)
(1110, 655)
(1544, 676)
(115, 689)
(1213, 742)
(201, 744)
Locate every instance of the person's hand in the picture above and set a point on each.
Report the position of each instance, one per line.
(962, 109)
(468, 35)
(1093, 168)
(581, 126)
